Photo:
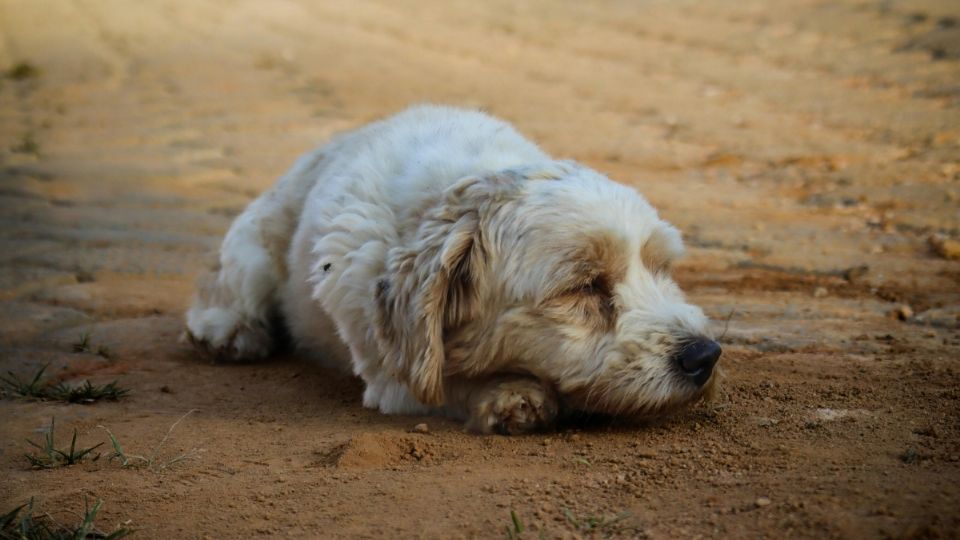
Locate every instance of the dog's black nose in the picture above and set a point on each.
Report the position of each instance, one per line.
(697, 358)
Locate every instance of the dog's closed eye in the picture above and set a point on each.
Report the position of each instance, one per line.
(590, 299)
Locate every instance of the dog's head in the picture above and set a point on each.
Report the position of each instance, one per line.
(551, 270)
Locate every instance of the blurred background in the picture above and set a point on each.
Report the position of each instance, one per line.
(808, 150)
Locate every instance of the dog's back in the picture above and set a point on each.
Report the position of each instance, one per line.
(420, 151)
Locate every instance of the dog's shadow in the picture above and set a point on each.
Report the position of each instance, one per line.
(699, 414)
(292, 385)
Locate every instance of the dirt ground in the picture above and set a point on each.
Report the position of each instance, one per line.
(808, 150)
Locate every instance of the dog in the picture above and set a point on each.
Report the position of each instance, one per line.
(457, 269)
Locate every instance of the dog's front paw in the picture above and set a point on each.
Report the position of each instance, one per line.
(225, 336)
(512, 407)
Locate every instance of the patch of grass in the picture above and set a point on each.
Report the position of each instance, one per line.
(86, 392)
(594, 523)
(83, 345)
(14, 526)
(152, 461)
(50, 457)
(22, 71)
(33, 389)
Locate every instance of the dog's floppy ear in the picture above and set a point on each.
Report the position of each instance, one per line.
(664, 245)
(430, 284)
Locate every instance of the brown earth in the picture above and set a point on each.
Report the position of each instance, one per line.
(807, 149)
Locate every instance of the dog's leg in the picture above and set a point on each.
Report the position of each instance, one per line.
(390, 396)
(505, 404)
(232, 312)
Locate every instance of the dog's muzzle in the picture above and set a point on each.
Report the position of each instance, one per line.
(696, 359)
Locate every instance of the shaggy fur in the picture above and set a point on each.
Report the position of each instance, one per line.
(456, 268)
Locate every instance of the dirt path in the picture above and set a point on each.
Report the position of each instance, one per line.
(808, 152)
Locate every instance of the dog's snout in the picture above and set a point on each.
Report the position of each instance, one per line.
(697, 358)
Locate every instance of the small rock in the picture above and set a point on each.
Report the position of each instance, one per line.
(902, 312)
(832, 415)
(762, 501)
(416, 452)
(421, 428)
(856, 272)
(945, 247)
(820, 292)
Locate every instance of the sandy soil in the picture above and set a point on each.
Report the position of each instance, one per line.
(807, 151)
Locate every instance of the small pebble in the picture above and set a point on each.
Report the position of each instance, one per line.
(646, 453)
(946, 248)
(820, 292)
(421, 428)
(902, 313)
(417, 452)
(762, 501)
(856, 272)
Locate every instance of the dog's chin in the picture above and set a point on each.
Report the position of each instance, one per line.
(640, 403)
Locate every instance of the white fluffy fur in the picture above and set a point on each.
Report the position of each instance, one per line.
(445, 259)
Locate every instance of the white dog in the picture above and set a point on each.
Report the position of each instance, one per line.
(458, 269)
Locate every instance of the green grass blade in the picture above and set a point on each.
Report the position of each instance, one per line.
(36, 378)
(82, 453)
(517, 524)
(7, 519)
(86, 526)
